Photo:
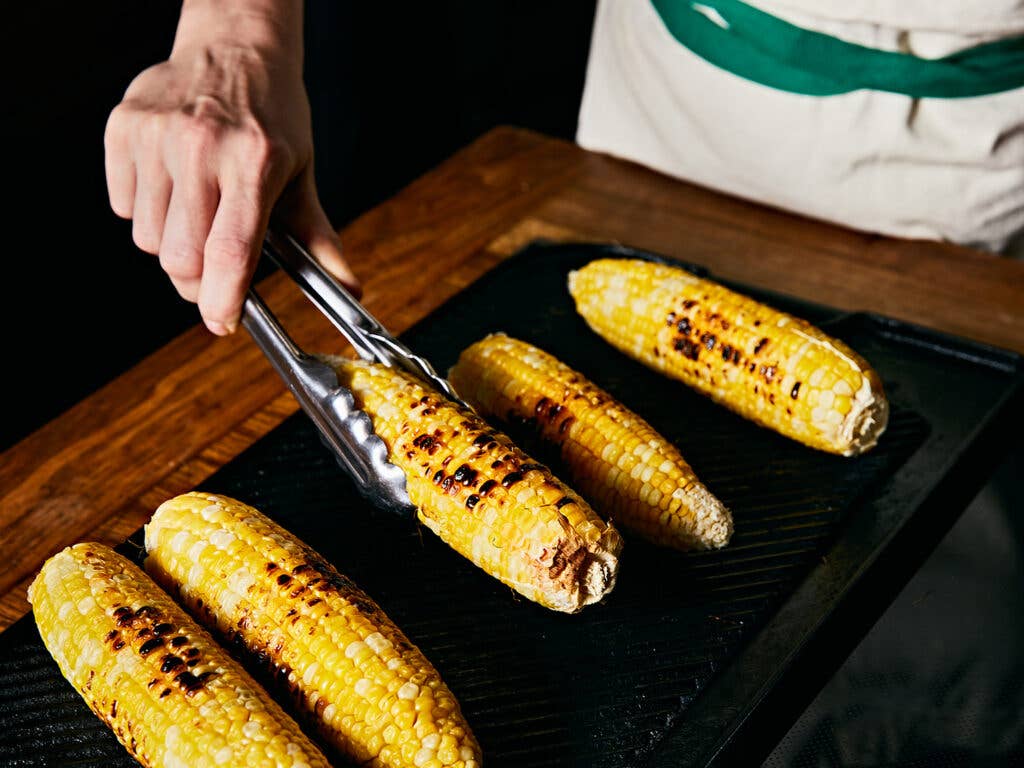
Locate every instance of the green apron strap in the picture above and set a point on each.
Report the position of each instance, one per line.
(760, 47)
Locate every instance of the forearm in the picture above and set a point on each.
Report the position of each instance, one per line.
(271, 27)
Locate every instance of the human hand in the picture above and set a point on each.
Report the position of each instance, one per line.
(206, 144)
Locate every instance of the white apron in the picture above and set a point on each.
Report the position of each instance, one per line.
(937, 168)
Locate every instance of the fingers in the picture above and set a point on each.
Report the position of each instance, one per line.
(301, 211)
(152, 196)
(189, 215)
(229, 258)
(119, 167)
(188, 289)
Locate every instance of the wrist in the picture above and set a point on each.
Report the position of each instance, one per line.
(273, 28)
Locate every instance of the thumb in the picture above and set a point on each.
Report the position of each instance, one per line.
(300, 210)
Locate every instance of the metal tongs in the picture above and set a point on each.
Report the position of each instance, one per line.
(345, 429)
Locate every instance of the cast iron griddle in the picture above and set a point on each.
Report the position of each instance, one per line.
(689, 654)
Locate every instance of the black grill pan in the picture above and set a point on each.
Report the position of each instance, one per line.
(694, 657)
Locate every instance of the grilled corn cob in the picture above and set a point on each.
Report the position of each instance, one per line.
(614, 457)
(368, 690)
(483, 496)
(770, 367)
(171, 695)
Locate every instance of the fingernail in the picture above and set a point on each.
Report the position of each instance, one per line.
(216, 327)
(232, 326)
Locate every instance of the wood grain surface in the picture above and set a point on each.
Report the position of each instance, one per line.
(99, 470)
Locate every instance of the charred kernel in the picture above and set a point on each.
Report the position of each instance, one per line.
(122, 611)
(542, 405)
(511, 479)
(736, 356)
(313, 602)
(113, 709)
(483, 439)
(690, 303)
(193, 662)
(487, 487)
(708, 340)
(757, 322)
(192, 652)
(163, 629)
(144, 632)
(146, 610)
(760, 345)
(271, 567)
(751, 367)
(687, 347)
(165, 692)
(177, 642)
(429, 411)
(466, 475)
(284, 579)
(189, 682)
(150, 645)
(566, 422)
(668, 321)
(446, 462)
(118, 644)
(726, 352)
(562, 502)
(170, 663)
(423, 442)
(683, 326)
(152, 682)
(112, 634)
(472, 501)
(447, 483)
(725, 324)
(301, 568)
(530, 467)
(438, 477)
(125, 619)
(795, 391)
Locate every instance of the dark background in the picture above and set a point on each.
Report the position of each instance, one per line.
(396, 88)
